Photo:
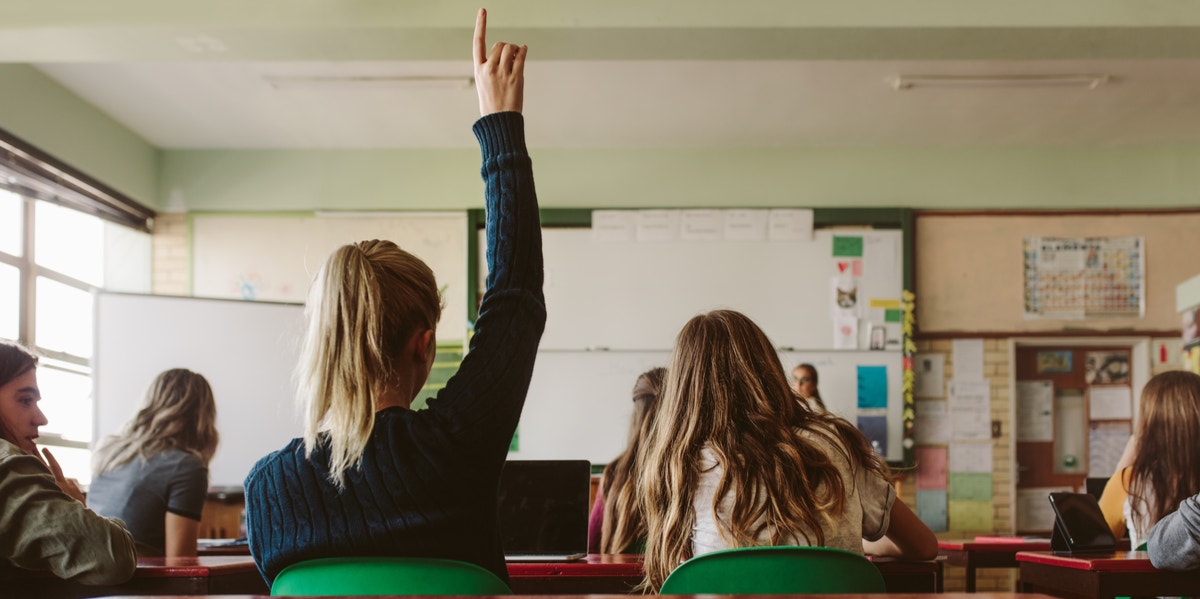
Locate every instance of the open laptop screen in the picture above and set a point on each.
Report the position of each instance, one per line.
(543, 507)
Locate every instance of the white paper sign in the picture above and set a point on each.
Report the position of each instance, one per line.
(932, 422)
(970, 410)
(702, 225)
(970, 457)
(746, 225)
(1110, 403)
(789, 224)
(1035, 411)
(929, 375)
(1034, 513)
(968, 359)
(657, 225)
(614, 225)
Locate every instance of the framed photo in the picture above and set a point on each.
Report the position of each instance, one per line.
(878, 337)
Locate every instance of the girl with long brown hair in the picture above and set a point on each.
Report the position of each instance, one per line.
(1162, 458)
(733, 460)
(616, 524)
(153, 475)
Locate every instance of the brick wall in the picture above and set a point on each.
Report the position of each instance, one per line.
(171, 270)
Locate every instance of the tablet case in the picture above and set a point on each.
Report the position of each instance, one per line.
(1079, 525)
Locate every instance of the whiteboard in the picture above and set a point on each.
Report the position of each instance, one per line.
(580, 402)
(274, 257)
(615, 307)
(246, 350)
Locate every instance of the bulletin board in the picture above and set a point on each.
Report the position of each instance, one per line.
(273, 257)
(970, 271)
(615, 307)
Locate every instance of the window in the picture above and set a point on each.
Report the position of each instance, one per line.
(52, 258)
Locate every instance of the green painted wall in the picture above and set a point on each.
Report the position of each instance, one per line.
(918, 177)
(42, 112)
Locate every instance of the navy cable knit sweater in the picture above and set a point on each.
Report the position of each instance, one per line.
(427, 485)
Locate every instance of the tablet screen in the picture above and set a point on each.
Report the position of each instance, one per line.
(1082, 521)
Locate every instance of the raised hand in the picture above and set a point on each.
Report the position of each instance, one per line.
(499, 74)
(66, 485)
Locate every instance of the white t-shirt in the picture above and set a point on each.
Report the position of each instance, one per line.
(867, 508)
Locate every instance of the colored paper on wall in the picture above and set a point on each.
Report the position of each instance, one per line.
(872, 387)
(875, 429)
(847, 247)
(931, 509)
(887, 304)
(971, 485)
(892, 315)
(974, 516)
(931, 468)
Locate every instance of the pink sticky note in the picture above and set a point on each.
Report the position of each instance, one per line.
(856, 268)
(931, 467)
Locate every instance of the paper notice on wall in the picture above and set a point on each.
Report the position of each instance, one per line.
(970, 410)
(973, 516)
(931, 508)
(971, 457)
(929, 375)
(1035, 411)
(932, 422)
(931, 468)
(790, 224)
(658, 225)
(1110, 403)
(745, 225)
(1106, 444)
(1034, 513)
(702, 225)
(967, 355)
(845, 332)
(614, 225)
(971, 485)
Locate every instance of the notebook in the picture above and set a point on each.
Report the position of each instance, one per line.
(543, 509)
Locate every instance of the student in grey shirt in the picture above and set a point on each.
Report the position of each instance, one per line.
(154, 473)
(1174, 542)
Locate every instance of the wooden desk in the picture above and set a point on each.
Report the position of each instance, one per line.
(619, 574)
(1120, 573)
(991, 553)
(155, 575)
(869, 596)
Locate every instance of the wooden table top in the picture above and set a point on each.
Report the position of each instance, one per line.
(1114, 561)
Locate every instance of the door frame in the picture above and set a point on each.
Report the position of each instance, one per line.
(1140, 372)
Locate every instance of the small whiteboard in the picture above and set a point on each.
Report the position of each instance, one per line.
(246, 350)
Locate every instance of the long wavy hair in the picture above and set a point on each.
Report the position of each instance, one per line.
(726, 390)
(623, 526)
(15, 360)
(177, 412)
(1166, 468)
(365, 304)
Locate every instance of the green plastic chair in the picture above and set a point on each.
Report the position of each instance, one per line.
(386, 576)
(775, 571)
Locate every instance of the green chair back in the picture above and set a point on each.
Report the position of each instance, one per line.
(774, 571)
(386, 576)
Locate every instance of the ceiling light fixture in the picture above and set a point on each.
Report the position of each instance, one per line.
(360, 82)
(1085, 80)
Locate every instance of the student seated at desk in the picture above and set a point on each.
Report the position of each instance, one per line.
(1174, 542)
(804, 383)
(371, 476)
(1161, 465)
(154, 473)
(43, 522)
(734, 460)
(616, 524)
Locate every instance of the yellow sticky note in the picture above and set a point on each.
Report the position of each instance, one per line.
(886, 304)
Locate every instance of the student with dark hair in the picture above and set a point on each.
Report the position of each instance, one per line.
(43, 522)
(804, 383)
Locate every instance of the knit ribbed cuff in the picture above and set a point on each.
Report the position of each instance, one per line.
(501, 133)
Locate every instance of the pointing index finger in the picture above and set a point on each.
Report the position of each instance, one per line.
(480, 36)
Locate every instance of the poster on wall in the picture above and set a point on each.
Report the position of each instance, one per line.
(1084, 277)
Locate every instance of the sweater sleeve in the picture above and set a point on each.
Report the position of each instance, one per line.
(44, 529)
(481, 404)
(1174, 542)
(1112, 502)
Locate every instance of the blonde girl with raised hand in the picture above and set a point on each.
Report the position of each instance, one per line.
(44, 524)
(734, 460)
(370, 476)
(616, 524)
(1161, 465)
(153, 475)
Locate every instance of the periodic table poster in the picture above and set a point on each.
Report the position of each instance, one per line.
(1084, 277)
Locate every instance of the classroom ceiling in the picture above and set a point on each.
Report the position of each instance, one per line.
(673, 73)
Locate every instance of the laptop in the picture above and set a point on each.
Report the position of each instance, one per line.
(543, 510)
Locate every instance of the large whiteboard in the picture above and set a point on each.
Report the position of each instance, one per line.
(246, 350)
(615, 307)
(274, 257)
